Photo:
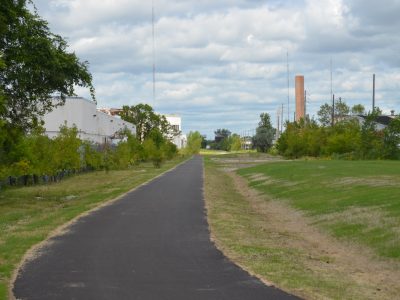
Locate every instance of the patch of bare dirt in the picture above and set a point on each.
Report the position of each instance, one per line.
(369, 181)
(379, 279)
(243, 161)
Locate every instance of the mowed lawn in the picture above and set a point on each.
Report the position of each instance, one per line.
(357, 201)
(28, 215)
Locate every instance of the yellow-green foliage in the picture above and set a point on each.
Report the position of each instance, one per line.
(194, 140)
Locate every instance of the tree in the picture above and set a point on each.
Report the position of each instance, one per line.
(145, 120)
(265, 134)
(358, 109)
(341, 110)
(265, 121)
(194, 140)
(221, 134)
(37, 66)
(66, 147)
(221, 141)
(152, 148)
(392, 139)
(371, 139)
(325, 113)
(235, 143)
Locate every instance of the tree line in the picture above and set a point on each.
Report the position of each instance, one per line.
(340, 135)
(224, 140)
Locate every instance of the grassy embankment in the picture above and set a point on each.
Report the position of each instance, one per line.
(320, 229)
(28, 215)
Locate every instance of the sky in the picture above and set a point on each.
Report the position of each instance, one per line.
(220, 64)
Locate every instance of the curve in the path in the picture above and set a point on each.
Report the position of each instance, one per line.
(152, 244)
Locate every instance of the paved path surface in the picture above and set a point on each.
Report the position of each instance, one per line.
(152, 244)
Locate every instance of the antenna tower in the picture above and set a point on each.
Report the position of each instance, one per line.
(154, 54)
(288, 99)
(331, 82)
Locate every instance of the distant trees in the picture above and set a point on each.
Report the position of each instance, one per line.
(358, 109)
(235, 143)
(221, 141)
(325, 113)
(146, 120)
(347, 138)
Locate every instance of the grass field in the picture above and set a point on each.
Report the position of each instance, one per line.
(354, 200)
(293, 228)
(28, 215)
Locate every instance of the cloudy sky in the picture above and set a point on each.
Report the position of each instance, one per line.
(221, 63)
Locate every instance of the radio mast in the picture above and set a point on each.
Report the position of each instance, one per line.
(154, 54)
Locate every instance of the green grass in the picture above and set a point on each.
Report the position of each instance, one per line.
(29, 214)
(317, 229)
(249, 237)
(358, 201)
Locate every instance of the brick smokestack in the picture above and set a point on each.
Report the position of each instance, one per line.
(300, 105)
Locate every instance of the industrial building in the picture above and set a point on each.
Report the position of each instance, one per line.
(180, 139)
(98, 125)
(93, 124)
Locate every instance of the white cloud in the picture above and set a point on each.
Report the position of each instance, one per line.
(222, 63)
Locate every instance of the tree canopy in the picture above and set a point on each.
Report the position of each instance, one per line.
(145, 120)
(37, 65)
(325, 113)
(265, 134)
(194, 141)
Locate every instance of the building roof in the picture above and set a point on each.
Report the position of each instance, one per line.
(384, 120)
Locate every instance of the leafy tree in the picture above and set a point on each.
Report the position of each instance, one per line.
(221, 140)
(92, 156)
(371, 140)
(343, 138)
(341, 110)
(145, 120)
(37, 65)
(169, 149)
(122, 156)
(265, 120)
(194, 140)
(325, 114)
(265, 134)
(67, 147)
(358, 109)
(235, 143)
(204, 142)
(392, 139)
(152, 152)
(221, 134)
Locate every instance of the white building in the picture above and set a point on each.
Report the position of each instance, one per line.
(179, 140)
(93, 125)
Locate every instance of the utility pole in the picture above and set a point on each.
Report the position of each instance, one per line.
(305, 105)
(278, 114)
(331, 81)
(373, 92)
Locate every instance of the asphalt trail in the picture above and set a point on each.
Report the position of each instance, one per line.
(152, 244)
